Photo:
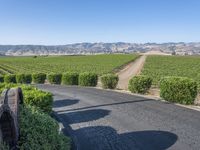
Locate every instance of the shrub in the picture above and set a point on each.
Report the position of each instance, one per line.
(4, 146)
(54, 78)
(38, 98)
(140, 84)
(33, 96)
(4, 86)
(24, 78)
(177, 89)
(39, 131)
(1, 79)
(109, 81)
(10, 78)
(26, 87)
(88, 79)
(70, 78)
(38, 78)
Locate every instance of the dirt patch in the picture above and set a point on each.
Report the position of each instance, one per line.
(197, 101)
(154, 92)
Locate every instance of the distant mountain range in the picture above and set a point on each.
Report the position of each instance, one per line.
(98, 48)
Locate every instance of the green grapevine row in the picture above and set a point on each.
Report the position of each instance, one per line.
(160, 66)
(99, 64)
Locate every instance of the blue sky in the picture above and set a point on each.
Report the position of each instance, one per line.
(58, 22)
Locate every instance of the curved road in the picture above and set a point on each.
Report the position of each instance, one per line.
(107, 120)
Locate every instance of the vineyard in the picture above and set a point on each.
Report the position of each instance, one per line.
(99, 64)
(160, 66)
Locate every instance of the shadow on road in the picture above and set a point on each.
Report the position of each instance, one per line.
(104, 137)
(77, 117)
(84, 116)
(64, 102)
(101, 105)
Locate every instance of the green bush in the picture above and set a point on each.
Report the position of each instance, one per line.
(24, 78)
(38, 78)
(38, 131)
(26, 87)
(70, 78)
(10, 78)
(4, 86)
(4, 146)
(88, 79)
(54, 78)
(33, 96)
(109, 81)
(140, 84)
(1, 79)
(177, 89)
(38, 98)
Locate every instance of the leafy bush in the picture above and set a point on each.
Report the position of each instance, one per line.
(1, 79)
(88, 79)
(109, 81)
(33, 96)
(26, 87)
(4, 146)
(38, 98)
(140, 84)
(70, 78)
(10, 78)
(38, 78)
(4, 86)
(54, 78)
(24, 78)
(38, 131)
(177, 89)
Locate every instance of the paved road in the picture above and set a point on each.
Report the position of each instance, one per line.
(132, 69)
(106, 120)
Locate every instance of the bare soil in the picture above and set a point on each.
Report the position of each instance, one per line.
(132, 69)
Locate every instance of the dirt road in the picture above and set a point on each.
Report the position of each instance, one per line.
(129, 71)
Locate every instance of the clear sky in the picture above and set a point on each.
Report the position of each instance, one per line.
(57, 22)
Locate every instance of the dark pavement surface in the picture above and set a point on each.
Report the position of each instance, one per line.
(107, 120)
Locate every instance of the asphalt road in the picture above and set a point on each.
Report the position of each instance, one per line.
(106, 120)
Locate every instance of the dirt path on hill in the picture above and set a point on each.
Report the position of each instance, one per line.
(129, 71)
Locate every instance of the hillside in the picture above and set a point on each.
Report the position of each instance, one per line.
(97, 48)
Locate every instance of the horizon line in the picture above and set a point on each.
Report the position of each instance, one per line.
(95, 43)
